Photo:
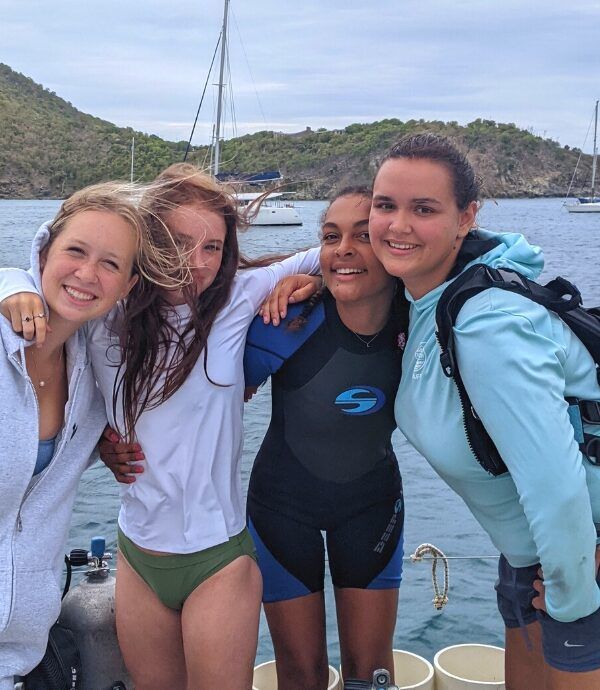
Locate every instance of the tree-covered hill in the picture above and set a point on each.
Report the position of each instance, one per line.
(48, 149)
(511, 161)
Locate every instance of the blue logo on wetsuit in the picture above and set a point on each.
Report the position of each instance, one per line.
(361, 400)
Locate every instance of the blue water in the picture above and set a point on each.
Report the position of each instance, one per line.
(434, 514)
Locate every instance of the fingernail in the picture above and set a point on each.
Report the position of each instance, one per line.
(113, 437)
(139, 456)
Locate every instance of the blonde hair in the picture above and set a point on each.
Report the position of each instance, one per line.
(158, 257)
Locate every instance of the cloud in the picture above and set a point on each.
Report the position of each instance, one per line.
(144, 64)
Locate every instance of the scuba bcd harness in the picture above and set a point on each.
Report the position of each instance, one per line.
(561, 297)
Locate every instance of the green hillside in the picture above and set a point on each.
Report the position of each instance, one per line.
(511, 161)
(48, 149)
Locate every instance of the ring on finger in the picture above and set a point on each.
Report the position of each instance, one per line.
(27, 319)
(39, 316)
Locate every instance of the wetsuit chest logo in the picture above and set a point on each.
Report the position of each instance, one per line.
(361, 400)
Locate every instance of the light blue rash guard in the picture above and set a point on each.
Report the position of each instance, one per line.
(518, 361)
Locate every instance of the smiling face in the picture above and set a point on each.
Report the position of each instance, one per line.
(350, 269)
(415, 224)
(204, 232)
(88, 266)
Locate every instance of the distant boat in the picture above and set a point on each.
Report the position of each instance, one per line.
(272, 211)
(589, 204)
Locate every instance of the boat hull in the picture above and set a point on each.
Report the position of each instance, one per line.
(277, 215)
(584, 208)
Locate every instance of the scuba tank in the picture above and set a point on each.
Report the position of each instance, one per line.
(88, 610)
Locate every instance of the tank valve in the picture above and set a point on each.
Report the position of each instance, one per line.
(96, 559)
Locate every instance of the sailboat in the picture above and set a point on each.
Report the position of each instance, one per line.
(273, 209)
(589, 204)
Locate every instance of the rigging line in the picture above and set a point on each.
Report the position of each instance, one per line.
(231, 103)
(212, 62)
(455, 558)
(578, 160)
(262, 112)
(229, 107)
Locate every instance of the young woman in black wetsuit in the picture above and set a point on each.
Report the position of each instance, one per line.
(326, 463)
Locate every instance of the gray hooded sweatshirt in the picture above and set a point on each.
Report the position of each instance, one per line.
(35, 512)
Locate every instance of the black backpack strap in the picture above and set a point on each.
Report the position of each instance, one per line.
(585, 412)
(558, 295)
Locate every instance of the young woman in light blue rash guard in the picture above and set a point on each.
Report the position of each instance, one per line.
(518, 361)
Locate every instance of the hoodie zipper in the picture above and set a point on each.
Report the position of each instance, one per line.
(19, 523)
(465, 402)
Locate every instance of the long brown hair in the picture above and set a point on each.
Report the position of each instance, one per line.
(156, 355)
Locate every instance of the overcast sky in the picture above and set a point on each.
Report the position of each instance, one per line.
(143, 63)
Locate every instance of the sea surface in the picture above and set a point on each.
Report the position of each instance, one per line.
(434, 514)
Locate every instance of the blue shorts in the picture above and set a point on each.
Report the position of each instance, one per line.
(364, 551)
(571, 646)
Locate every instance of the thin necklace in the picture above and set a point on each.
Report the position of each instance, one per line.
(364, 341)
(48, 379)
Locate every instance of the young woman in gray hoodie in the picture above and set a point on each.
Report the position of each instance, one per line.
(51, 412)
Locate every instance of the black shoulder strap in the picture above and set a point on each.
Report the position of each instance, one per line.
(559, 295)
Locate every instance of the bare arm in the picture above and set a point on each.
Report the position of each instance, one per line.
(122, 459)
(296, 288)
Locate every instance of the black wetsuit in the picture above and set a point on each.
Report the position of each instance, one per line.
(326, 463)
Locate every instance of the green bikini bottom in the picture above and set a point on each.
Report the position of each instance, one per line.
(174, 577)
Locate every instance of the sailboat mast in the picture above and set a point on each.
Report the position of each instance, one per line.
(217, 155)
(595, 157)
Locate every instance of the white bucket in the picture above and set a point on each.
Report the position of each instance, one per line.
(411, 671)
(469, 667)
(265, 677)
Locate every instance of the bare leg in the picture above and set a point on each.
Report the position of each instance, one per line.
(149, 633)
(298, 631)
(561, 680)
(366, 622)
(524, 668)
(220, 628)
